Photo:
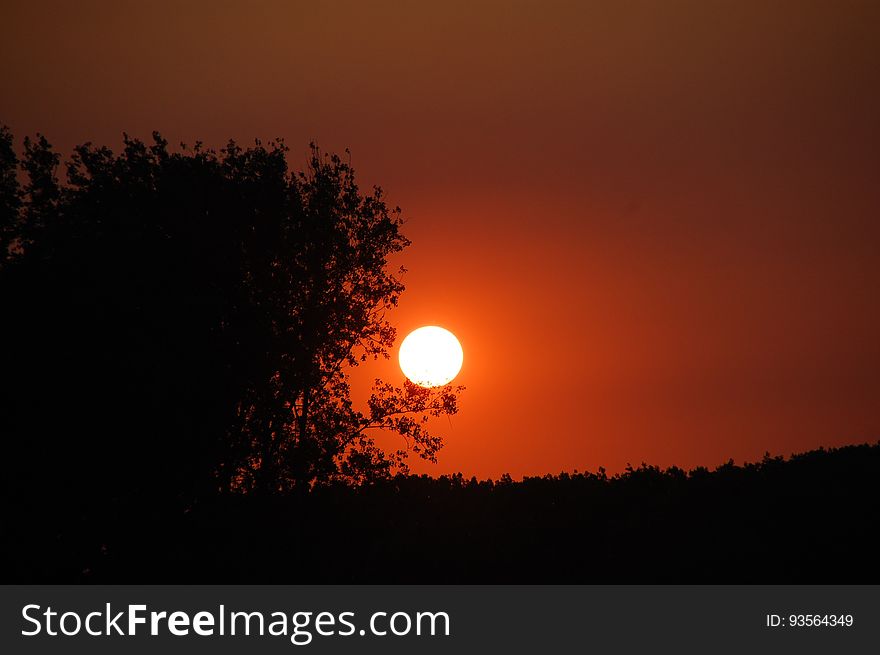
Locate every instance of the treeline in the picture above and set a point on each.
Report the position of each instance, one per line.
(812, 518)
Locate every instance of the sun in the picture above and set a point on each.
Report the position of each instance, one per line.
(430, 356)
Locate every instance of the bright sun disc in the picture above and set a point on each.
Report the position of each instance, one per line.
(430, 356)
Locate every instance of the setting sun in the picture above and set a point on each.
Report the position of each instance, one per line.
(430, 356)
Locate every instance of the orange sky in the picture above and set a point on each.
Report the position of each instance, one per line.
(653, 225)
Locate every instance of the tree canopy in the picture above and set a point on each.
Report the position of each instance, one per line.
(187, 320)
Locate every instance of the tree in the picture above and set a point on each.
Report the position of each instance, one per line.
(10, 194)
(188, 320)
(329, 307)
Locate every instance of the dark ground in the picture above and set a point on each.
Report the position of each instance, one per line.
(812, 519)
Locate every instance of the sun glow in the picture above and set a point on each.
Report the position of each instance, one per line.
(430, 356)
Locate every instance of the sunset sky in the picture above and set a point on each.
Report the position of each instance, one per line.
(654, 226)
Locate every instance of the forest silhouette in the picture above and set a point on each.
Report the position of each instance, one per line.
(179, 327)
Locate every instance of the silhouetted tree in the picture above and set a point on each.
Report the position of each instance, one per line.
(327, 290)
(186, 321)
(10, 194)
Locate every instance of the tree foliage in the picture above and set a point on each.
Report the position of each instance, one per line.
(10, 194)
(189, 319)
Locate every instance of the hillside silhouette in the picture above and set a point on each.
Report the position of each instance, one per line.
(813, 518)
